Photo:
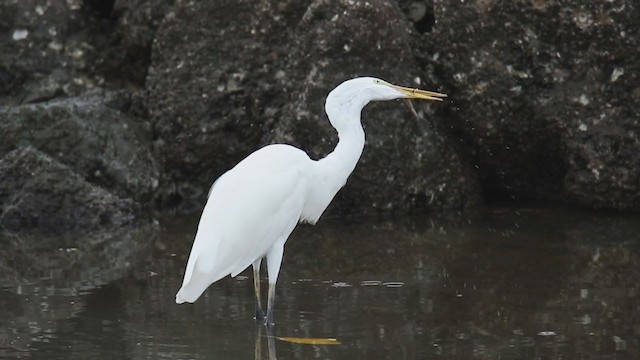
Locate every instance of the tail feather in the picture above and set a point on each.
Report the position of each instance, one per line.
(196, 280)
(190, 294)
(194, 284)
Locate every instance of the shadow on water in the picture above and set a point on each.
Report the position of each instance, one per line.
(503, 284)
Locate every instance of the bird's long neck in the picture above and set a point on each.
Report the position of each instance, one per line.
(342, 161)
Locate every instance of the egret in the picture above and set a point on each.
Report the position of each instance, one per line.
(252, 209)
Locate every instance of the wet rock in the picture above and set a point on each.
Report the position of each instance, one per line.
(211, 87)
(139, 19)
(407, 162)
(62, 48)
(545, 102)
(49, 54)
(420, 13)
(136, 22)
(36, 191)
(101, 144)
(546, 96)
(214, 101)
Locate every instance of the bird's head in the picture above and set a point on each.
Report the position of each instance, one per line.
(348, 98)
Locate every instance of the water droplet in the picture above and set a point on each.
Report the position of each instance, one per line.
(341, 284)
(547, 333)
(20, 34)
(370, 283)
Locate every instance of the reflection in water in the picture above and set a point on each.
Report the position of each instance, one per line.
(503, 284)
(48, 280)
(271, 343)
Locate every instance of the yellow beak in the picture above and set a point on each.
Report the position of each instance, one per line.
(419, 94)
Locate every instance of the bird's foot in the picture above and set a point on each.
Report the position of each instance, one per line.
(260, 316)
(268, 321)
(269, 324)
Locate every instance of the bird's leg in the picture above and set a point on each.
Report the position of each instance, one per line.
(256, 288)
(274, 259)
(258, 345)
(270, 301)
(271, 344)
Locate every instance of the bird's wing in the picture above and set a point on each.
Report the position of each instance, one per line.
(211, 188)
(250, 207)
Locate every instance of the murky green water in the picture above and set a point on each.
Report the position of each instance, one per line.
(503, 284)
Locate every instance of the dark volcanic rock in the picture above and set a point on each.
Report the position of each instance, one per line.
(547, 96)
(406, 162)
(63, 48)
(228, 76)
(101, 144)
(130, 50)
(544, 95)
(48, 50)
(37, 191)
(211, 86)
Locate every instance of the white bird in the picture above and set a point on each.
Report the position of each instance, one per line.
(253, 208)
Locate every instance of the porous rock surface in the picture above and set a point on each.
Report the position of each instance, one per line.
(152, 100)
(38, 192)
(546, 97)
(213, 100)
(100, 143)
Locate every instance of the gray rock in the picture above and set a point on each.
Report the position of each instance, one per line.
(62, 48)
(211, 88)
(547, 97)
(139, 19)
(47, 51)
(544, 95)
(135, 25)
(242, 74)
(101, 144)
(36, 191)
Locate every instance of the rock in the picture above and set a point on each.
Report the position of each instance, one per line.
(48, 55)
(213, 101)
(544, 98)
(36, 191)
(547, 97)
(420, 13)
(211, 88)
(136, 22)
(62, 48)
(101, 144)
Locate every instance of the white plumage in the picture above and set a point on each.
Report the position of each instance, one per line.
(253, 204)
(253, 208)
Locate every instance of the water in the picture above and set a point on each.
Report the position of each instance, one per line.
(502, 284)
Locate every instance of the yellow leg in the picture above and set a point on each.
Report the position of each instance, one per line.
(256, 288)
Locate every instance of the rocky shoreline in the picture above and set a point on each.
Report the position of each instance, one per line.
(112, 109)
